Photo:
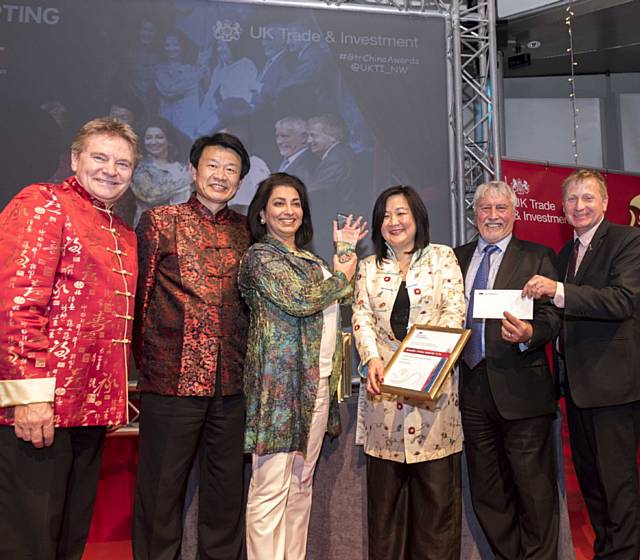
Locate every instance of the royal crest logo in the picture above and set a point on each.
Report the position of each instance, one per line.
(520, 186)
(227, 30)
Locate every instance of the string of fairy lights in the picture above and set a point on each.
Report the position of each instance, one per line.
(572, 82)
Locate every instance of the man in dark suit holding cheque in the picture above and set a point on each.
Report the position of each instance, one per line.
(507, 396)
(599, 354)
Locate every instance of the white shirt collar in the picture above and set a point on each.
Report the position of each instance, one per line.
(502, 244)
(295, 156)
(329, 149)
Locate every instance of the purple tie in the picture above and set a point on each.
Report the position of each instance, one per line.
(473, 350)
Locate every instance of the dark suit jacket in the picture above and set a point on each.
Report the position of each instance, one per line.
(330, 191)
(521, 382)
(602, 319)
(276, 74)
(303, 166)
(335, 171)
(311, 82)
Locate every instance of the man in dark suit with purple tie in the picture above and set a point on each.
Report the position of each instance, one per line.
(599, 354)
(507, 396)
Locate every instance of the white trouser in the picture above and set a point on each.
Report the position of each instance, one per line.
(280, 492)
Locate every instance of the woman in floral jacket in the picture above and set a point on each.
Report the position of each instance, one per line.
(292, 364)
(413, 451)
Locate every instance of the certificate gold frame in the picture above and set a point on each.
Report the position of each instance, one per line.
(427, 367)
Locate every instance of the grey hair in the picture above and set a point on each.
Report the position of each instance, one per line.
(498, 187)
(297, 123)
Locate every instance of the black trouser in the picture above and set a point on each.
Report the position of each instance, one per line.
(47, 495)
(604, 447)
(512, 474)
(414, 510)
(171, 432)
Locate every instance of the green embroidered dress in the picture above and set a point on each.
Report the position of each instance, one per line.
(286, 294)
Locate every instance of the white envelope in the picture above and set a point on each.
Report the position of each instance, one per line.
(491, 304)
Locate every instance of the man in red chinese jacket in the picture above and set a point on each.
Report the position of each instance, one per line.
(68, 269)
(189, 343)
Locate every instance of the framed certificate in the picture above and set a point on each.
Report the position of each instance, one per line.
(424, 360)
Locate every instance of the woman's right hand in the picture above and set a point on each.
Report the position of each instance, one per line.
(355, 229)
(348, 267)
(375, 375)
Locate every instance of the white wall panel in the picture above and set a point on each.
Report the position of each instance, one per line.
(541, 129)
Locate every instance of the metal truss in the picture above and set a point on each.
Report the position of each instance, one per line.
(424, 7)
(475, 119)
(412, 6)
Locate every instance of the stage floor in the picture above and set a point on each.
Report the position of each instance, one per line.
(580, 527)
(581, 532)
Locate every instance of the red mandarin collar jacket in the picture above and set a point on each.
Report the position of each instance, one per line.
(190, 320)
(68, 270)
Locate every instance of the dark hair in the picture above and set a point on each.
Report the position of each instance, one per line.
(175, 138)
(188, 49)
(223, 140)
(261, 199)
(127, 100)
(420, 216)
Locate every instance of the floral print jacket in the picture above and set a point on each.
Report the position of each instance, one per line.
(395, 427)
(286, 294)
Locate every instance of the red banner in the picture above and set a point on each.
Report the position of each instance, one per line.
(114, 499)
(538, 187)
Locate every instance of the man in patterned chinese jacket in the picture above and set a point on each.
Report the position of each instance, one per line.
(68, 269)
(189, 344)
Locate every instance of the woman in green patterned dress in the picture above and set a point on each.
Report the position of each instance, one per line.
(292, 364)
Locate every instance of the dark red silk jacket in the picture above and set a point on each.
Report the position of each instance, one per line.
(189, 314)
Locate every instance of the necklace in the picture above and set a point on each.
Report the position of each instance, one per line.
(404, 267)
